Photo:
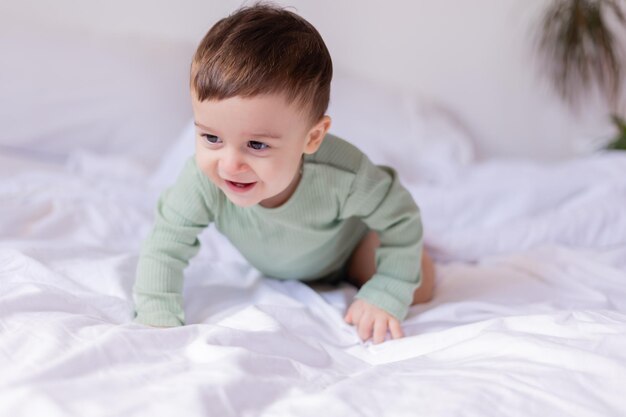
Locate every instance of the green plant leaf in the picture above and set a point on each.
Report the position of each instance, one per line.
(619, 143)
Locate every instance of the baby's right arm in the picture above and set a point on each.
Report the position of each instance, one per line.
(182, 213)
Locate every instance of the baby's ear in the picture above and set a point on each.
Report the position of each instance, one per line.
(316, 135)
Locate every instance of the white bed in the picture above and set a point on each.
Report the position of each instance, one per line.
(529, 316)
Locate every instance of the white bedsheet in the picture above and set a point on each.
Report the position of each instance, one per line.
(529, 316)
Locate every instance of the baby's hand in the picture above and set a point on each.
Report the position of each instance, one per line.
(367, 318)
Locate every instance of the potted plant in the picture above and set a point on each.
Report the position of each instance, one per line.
(578, 43)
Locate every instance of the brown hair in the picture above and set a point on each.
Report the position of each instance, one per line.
(263, 49)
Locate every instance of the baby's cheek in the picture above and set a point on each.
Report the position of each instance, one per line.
(209, 173)
(204, 169)
(204, 164)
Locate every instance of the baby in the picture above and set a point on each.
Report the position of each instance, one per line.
(296, 201)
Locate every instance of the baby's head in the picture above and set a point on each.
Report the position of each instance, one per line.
(260, 86)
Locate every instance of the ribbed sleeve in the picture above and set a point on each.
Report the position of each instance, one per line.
(181, 214)
(378, 199)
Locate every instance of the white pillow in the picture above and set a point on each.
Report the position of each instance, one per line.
(422, 140)
(63, 92)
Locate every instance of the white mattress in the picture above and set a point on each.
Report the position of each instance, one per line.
(529, 316)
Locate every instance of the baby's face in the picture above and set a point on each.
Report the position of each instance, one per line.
(251, 148)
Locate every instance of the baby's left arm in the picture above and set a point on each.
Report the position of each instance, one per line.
(381, 202)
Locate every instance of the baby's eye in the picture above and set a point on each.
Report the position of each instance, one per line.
(211, 138)
(259, 146)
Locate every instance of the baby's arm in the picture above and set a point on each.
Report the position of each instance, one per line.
(378, 198)
(181, 215)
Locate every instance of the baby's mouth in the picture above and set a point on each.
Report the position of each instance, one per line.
(240, 186)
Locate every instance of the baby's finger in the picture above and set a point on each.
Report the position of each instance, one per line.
(395, 329)
(380, 330)
(348, 317)
(355, 315)
(365, 327)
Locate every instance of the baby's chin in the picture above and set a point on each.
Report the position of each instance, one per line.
(241, 201)
(243, 204)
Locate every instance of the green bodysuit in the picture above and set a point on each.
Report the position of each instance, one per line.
(340, 197)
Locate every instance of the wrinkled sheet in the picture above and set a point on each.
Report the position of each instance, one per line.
(529, 316)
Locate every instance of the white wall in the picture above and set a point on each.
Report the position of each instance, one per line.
(476, 57)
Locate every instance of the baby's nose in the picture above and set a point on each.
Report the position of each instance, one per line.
(232, 164)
